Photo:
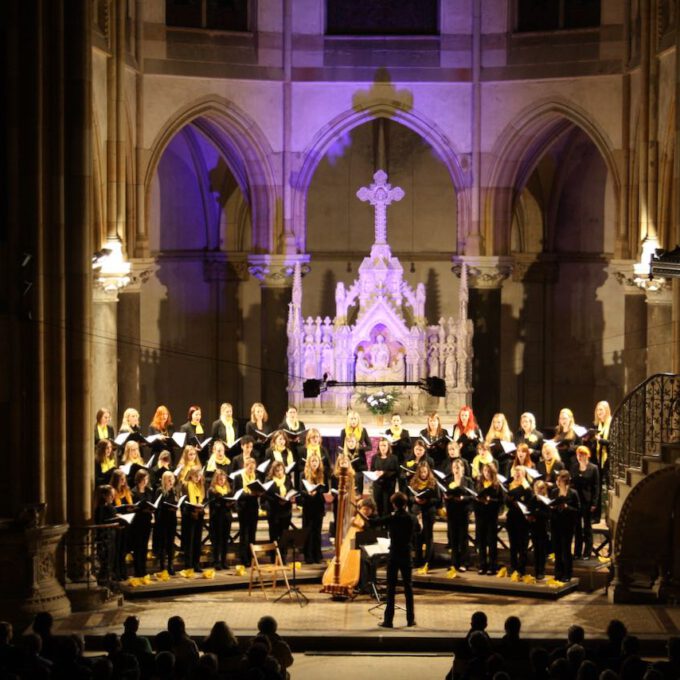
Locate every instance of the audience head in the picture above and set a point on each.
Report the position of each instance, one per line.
(165, 663)
(513, 625)
(398, 500)
(559, 670)
(576, 635)
(478, 643)
(176, 627)
(267, 625)
(131, 624)
(576, 655)
(42, 623)
(478, 621)
(163, 642)
(111, 643)
(587, 671)
(616, 631)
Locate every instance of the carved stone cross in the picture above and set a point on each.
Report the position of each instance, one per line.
(380, 194)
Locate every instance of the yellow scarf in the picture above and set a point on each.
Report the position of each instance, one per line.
(454, 484)
(195, 492)
(214, 461)
(281, 484)
(103, 431)
(601, 451)
(107, 465)
(229, 430)
(486, 483)
(353, 432)
(124, 496)
(199, 428)
(396, 432)
(514, 485)
(247, 479)
(222, 490)
(314, 448)
(549, 465)
(278, 456)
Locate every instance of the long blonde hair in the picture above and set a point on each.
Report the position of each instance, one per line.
(265, 415)
(316, 477)
(125, 423)
(504, 434)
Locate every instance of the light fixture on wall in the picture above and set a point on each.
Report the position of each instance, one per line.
(642, 270)
(413, 267)
(112, 271)
(349, 267)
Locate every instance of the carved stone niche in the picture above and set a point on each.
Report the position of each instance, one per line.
(28, 564)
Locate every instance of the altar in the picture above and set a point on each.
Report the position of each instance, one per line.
(379, 334)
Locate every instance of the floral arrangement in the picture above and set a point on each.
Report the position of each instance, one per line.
(379, 403)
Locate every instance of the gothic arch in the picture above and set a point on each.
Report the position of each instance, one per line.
(518, 150)
(353, 118)
(245, 150)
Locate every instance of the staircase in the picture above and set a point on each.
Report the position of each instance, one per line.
(644, 492)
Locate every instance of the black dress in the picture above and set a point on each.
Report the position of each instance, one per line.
(219, 526)
(313, 511)
(260, 437)
(517, 526)
(534, 440)
(458, 502)
(402, 446)
(564, 515)
(165, 529)
(384, 487)
(436, 445)
(468, 443)
(426, 506)
(247, 507)
(140, 530)
(487, 507)
(586, 483)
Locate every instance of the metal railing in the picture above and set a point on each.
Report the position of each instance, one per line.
(648, 417)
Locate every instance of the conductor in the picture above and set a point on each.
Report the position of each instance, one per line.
(401, 526)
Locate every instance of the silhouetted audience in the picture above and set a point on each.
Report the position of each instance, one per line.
(280, 650)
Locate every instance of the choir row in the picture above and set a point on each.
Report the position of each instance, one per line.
(540, 499)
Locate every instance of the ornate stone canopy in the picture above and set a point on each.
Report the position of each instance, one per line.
(389, 340)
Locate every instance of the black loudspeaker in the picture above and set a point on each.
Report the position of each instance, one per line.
(311, 388)
(436, 387)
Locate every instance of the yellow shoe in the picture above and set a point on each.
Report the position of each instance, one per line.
(209, 573)
(134, 582)
(240, 570)
(423, 570)
(554, 583)
(261, 513)
(297, 565)
(162, 575)
(502, 572)
(515, 578)
(604, 560)
(187, 573)
(529, 579)
(452, 573)
(551, 557)
(146, 579)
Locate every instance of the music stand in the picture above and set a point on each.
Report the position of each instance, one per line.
(296, 538)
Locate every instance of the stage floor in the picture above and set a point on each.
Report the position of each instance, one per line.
(440, 615)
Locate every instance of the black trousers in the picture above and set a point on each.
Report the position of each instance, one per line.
(457, 524)
(164, 539)
(583, 545)
(192, 534)
(397, 565)
(518, 533)
(312, 519)
(425, 544)
(247, 520)
(486, 529)
(140, 532)
(562, 529)
(539, 539)
(382, 491)
(220, 530)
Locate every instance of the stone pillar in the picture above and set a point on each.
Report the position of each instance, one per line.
(485, 278)
(659, 329)
(128, 348)
(635, 326)
(275, 272)
(104, 351)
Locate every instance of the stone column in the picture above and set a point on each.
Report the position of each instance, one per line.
(485, 278)
(659, 328)
(104, 351)
(275, 272)
(128, 336)
(635, 326)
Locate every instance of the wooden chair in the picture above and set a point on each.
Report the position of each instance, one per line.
(267, 570)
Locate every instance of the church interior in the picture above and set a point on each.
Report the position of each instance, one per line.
(182, 213)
